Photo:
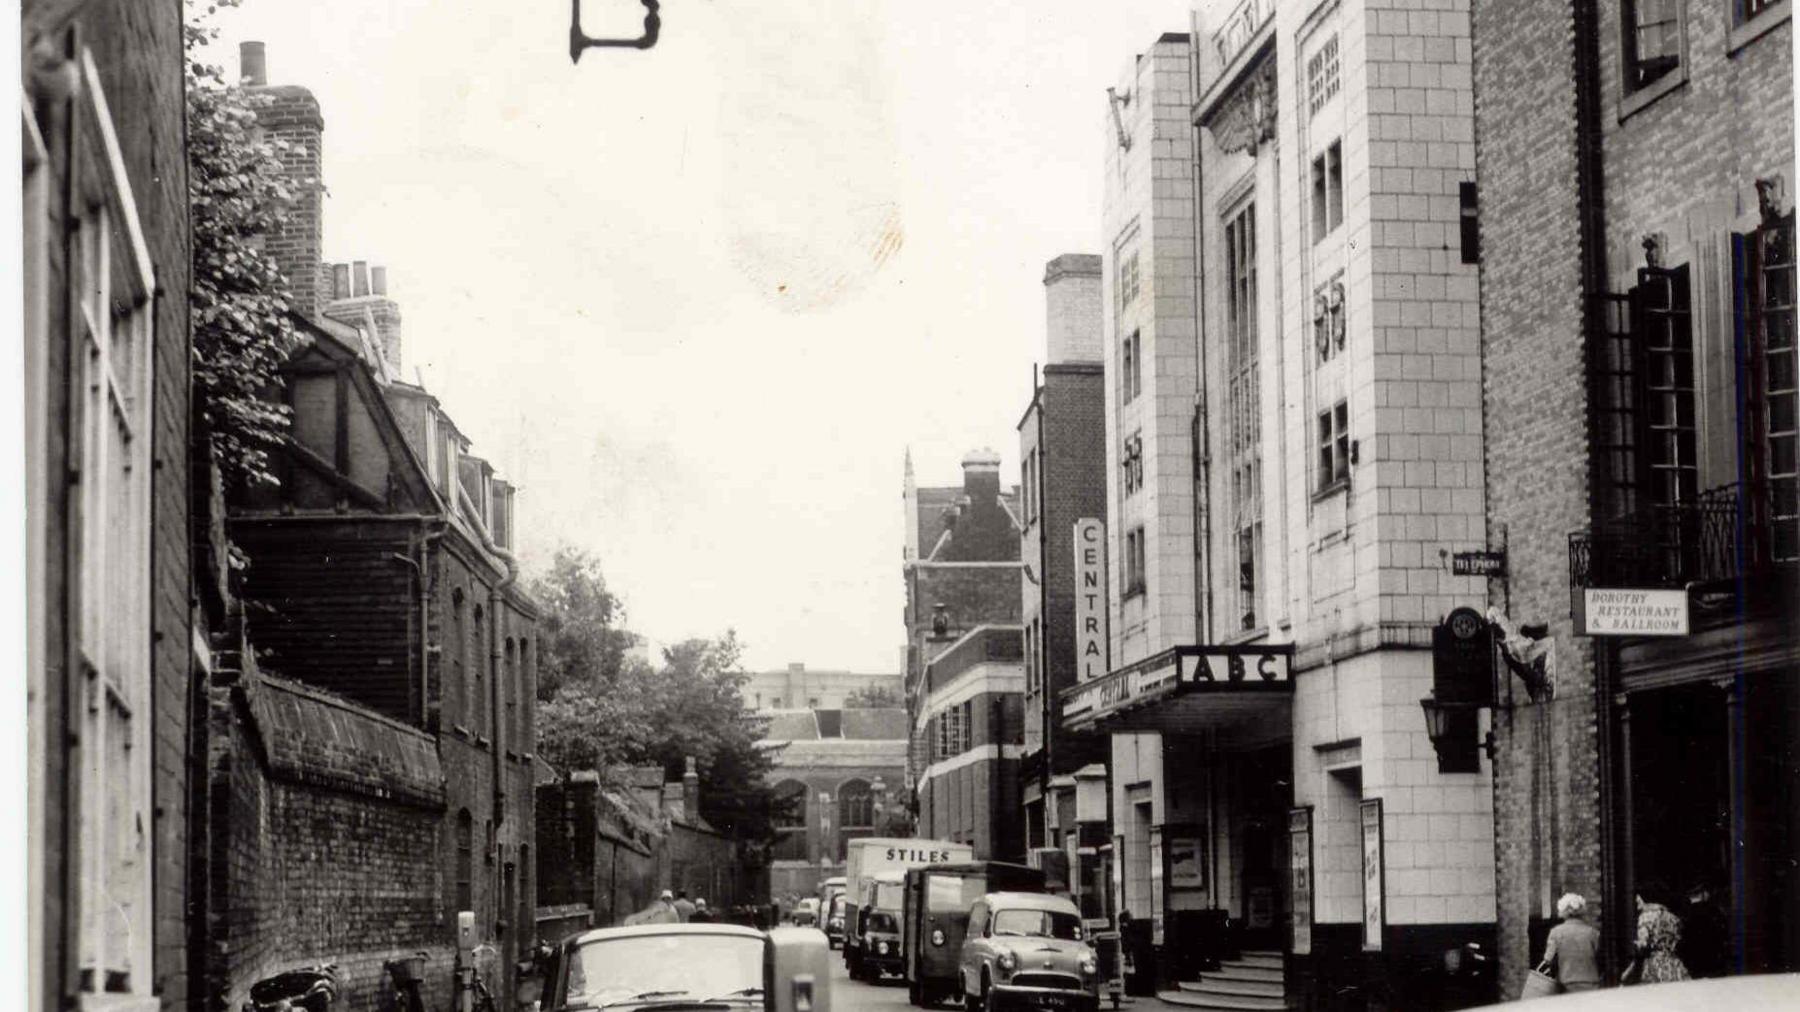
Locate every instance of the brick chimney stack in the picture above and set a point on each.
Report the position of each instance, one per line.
(293, 115)
(981, 476)
(1072, 303)
(358, 297)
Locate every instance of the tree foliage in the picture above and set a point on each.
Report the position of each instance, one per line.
(606, 709)
(238, 191)
(583, 633)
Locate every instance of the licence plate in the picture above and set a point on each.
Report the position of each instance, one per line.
(1053, 1001)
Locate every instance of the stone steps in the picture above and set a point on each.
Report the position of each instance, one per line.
(1251, 983)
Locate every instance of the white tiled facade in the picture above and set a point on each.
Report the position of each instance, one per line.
(1148, 221)
(1324, 344)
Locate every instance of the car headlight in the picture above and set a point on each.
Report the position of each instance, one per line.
(881, 948)
(1008, 962)
(937, 936)
(1089, 966)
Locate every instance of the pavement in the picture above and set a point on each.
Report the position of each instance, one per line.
(890, 996)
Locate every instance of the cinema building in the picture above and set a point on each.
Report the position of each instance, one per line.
(1294, 431)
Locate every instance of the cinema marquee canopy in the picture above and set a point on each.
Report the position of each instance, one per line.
(1185, 689)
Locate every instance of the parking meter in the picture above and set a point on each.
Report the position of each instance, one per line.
(797, 971)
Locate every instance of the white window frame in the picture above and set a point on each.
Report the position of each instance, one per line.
(111, 369)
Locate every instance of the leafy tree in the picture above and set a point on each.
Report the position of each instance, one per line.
(583, 634)
(873, 697)
(238, 191)
(604, 709)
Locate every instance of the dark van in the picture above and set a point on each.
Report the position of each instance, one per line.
(936, 916)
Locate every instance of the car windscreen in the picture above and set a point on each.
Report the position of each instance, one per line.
(889, 896)
(693, 965)
(1046, 923)
(883, 923)
(947, 894)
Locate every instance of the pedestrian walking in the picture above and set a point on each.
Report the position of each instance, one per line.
(1572, 953)
(701, 914)
(684, 907)
(1658, 936)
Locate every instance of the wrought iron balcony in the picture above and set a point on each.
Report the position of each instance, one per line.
(1724, 534)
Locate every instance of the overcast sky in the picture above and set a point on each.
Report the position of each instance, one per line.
(698, 300)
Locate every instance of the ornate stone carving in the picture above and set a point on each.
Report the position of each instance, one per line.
(1245, 118)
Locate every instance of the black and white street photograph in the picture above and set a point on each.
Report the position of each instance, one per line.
(876, 505)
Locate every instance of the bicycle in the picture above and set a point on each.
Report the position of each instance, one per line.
(407, 974)
(483, 1000)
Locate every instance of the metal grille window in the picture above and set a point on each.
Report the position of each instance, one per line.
(1334, 446)
(110, 281)
(1652, 40)
(1667, 340)
(1243, 422)
(1128, 280)
(1322, 75)
(1768, 369)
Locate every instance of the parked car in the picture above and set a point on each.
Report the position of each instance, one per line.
(713, 967)
(1027, 950)
(935, 914)
(806, 912)
(834, 919)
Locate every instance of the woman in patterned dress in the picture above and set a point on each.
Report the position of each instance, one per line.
(1658, 935)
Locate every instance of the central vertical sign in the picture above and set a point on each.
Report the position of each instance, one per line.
(1090, 599)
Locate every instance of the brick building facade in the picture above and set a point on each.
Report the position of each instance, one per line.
(109, 630)
(963, 578)
(838, 775)
(1062, 454)
(1636, 217)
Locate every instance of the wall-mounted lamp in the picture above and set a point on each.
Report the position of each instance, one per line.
(1454, 729)
(580, 41)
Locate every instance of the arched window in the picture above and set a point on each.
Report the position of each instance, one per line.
(789, 818)
(465, 863)
(458, 687)
(856, 813)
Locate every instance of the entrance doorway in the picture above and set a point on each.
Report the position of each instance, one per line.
(1712, 781)
(1267, 790)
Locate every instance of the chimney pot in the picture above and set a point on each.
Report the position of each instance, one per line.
(378, 280)
(253, 65)
(340, 281)
(359, 275)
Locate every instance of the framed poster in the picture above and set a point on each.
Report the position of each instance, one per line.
(1187, 862)
(1300, 881)
(1157, 899)
(1374, 877)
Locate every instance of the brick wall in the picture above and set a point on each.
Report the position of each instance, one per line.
(320, 812)
(136, 48)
